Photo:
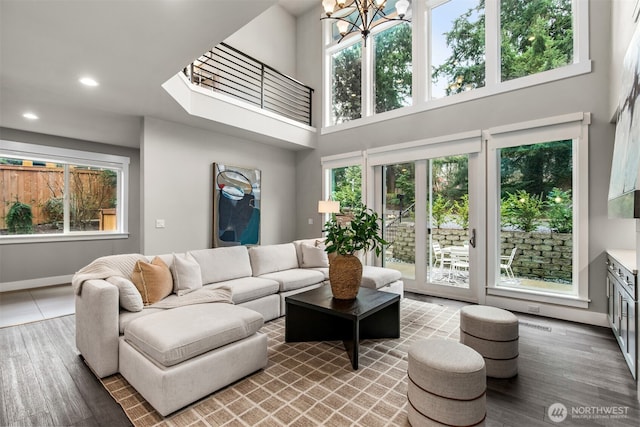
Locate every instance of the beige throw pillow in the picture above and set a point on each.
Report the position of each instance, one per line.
(314, 256)
(153, 280)
(187, 276)
(128, 295)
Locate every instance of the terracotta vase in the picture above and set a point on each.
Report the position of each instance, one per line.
(345, 275)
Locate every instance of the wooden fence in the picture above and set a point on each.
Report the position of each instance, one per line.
(35, 185)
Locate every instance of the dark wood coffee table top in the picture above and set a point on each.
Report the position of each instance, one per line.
(368, 301)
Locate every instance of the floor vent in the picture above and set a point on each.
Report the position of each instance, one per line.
(533, 325)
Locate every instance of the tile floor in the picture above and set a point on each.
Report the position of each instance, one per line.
(18, 307)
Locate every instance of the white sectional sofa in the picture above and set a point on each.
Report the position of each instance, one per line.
(174, 356)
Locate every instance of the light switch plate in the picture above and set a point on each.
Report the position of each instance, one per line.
(159, 223)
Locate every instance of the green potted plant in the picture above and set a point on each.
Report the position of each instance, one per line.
(345, 236)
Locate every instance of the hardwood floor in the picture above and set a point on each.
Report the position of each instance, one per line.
(44, 382)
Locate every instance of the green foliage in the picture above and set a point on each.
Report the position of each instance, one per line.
(393, 69)
(560, 210)
(461, 211)
(522, 210)
(440, 210)
(362, 233)
(346, 102)
(20, 219)
(53, 210)
(536, 35)
(347, 186)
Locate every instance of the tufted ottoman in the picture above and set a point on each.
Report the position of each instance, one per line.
(492, 332)
(447, 384)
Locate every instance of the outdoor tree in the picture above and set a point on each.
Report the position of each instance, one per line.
(536, 35)
(348, 186)
(393, 68)
(440, 210)
(346, 80)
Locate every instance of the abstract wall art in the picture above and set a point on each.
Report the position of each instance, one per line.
(236, 205)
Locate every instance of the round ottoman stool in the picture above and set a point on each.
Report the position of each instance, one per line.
(492, 332)
(447, 384)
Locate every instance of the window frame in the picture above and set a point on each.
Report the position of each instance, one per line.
(421, 89)
(64, 156)
(571, 126)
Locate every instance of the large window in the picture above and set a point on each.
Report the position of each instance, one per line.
(51, 191)
(538, 233)
(470, 48)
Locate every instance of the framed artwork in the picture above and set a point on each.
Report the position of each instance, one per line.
(236, 205)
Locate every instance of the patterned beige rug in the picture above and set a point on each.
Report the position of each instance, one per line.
(310, 384)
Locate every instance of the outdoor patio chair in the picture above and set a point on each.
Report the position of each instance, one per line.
(506, 261)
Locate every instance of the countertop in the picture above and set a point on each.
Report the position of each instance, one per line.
(626, 257)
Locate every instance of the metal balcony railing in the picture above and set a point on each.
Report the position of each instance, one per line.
(226, 70)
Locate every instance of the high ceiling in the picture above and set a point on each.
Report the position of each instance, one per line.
(131, 47)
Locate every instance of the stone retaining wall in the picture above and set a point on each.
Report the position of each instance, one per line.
(545, 256)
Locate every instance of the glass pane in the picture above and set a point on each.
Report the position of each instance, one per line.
(393, 68)
(457, 47)
(346, 88)
(448, 207)
(93, 197)
(537, 35)
(399, 218)
(536, 216)
(31, 197)
(351, 15)
(346, 187)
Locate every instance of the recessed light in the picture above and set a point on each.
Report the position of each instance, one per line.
(88, 81)
(30, 116)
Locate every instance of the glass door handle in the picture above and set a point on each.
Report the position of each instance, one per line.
(472, 240)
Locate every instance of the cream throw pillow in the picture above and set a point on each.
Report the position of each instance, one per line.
(128, 295)
(187, 276)
(314, 256)
(153, 280)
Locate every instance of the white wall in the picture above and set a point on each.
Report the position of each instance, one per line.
(269, 38)
(584, 93)
(177, 185)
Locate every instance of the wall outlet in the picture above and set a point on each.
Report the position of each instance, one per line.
(534, 309)
(310, 221)
(159, 223)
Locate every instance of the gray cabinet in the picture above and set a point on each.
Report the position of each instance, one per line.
(622, 306)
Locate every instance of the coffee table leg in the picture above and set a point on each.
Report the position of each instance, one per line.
(352, 345)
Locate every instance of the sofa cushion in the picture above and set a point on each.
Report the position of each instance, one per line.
(249, 288)
(153, 280)
(313, 256)
(187, 276)
(295, 278)
(323, 270)
(313, 242)
(128, 295)
(220, 264)
(378, 277)
(173, 336)
(272, 258)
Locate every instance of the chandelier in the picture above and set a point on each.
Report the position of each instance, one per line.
(361, 16)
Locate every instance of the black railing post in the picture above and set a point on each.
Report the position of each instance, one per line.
(262, 86)
(191, 76)
(310, 107)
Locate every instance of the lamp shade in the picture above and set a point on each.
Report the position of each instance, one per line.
(328, 206)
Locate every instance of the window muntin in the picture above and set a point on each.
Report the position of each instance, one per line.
(457, 37)
(346, 84)
(393, 68)
(536, 217)
(60, 192)
(536, 36)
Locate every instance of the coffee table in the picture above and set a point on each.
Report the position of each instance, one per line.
(316, 316)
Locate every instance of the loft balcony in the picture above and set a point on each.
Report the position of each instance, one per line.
(229, 87)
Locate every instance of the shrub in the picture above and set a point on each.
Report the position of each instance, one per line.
(461, 211)
(560, 210)
(521, 210)
(20, 219)
(53, 210)
(440, 210)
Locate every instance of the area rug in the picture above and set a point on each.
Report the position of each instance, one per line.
(310, 384)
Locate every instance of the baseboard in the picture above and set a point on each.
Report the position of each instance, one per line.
(21, 285)
(571, 314)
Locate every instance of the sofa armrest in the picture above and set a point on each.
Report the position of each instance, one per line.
(97, 332)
